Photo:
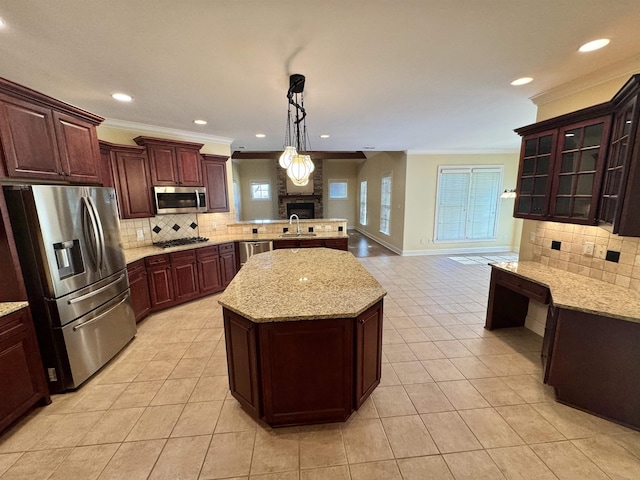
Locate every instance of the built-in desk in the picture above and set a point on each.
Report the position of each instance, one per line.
(591, 346)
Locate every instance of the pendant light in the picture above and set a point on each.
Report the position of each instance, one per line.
(294, 159)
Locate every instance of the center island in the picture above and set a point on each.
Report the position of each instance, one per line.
(303, 330)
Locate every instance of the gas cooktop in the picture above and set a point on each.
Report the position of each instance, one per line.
(180, 241)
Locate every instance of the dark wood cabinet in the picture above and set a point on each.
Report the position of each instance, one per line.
(139, 287)
(621, 187)
(45, 139)
(561, 167)
(209, 271)
(173, 162)
(214, 172)
(185, 275)
(301, 372)
(335, 243)
(131, 178)
(22, 381)
(368, 352)
(160, 280)
(228, 262)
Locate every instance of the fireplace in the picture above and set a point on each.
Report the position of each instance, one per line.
(303, 210)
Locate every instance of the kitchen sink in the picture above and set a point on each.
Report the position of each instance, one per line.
(296, 235)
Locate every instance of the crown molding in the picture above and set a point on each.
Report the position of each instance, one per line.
(621, 70)
(171, 132)
(489, 151)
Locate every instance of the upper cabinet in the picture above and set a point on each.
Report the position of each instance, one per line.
(45, 139)
(561, 166)
(621, 187)
(173, 162)
(214, 172)
(128, 171)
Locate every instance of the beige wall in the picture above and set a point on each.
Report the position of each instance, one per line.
(421, 188)
(250, 170)
(341, 208)
(371, 171)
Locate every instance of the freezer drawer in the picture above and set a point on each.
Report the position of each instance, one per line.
(95, 338)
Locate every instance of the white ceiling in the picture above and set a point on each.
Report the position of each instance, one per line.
(423, 75)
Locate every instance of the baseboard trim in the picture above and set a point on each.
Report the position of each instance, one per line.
(459, 251)
(393, 248)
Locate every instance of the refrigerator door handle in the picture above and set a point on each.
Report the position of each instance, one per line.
(92, 240)
(95, 292)
(101, 240)
(95, 319)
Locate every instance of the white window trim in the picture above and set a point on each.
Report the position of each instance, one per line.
(390, 176)
(361, 203)
(346, 182)
(469, 168)
(259, 182)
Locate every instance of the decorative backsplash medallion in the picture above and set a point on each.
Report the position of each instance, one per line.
(170, 227)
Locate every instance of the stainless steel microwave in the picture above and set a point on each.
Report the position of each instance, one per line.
(180, 199)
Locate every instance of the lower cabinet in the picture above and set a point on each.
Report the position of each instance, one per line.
(228, 267)
(160, 280)
(185, 275)
(209, 275)
(303, 372)
(335, 243)
(139, 287)
(22, 381)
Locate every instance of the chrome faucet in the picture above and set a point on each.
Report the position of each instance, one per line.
(297, 222)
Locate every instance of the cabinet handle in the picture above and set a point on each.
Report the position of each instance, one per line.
(361, 321)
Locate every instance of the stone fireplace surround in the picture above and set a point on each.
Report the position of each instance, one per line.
(284, 198)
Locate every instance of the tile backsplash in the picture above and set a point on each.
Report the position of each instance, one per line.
(601, 265)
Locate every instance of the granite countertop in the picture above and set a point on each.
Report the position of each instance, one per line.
(133, 254)
(577, 292)
(7, 308)
(283, 220)
(301, 284)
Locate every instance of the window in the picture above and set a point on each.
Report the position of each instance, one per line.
(260, 191)
(467, 203)
(363, 202)
(385, 203)
(338, 189)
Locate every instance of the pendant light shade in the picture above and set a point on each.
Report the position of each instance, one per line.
(298, 166)
(287, 156)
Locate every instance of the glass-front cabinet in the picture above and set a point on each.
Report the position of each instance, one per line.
(534, 182)
(578, 171)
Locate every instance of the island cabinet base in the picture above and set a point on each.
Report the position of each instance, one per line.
(304, 372)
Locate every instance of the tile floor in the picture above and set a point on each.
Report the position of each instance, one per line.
(455, 402)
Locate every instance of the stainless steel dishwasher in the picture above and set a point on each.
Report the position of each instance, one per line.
(251, 248)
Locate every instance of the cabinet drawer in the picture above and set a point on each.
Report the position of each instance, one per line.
(527, 288)
(13, 324)
(185, 256)
(227, 247)
(157, 260)
(135, 267)
(206, 252)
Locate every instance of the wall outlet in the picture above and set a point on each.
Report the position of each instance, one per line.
(601, 251)
(246, 229)
(422, 241)
(140, 234)
(588, 248)
(214, 225)
(532, 237)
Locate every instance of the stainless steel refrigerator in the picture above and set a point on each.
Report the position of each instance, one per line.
(75, 272)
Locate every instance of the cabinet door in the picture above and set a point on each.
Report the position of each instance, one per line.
(139, 287)
(164, 170)
(28, 140)
(228, 267)
(185, 281)
(242, 361)
(368, 352)
(106, 172)
(215, 180)
(578, 171)
(337, 243)
(22, 382)
(189, 174)
(278, 244)
(210, 274)
(133, 185)
(161, 287)
(78, 148)
(547, 341)
(534, 177)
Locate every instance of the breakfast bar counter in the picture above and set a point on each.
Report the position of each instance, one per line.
(303, 329)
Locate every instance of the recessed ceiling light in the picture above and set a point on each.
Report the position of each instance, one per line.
(200, 122)
(368, 148)
(594, 45)
(260, 135)
(324, 135)
(522, 81)
(122, 97)
(2, 23)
